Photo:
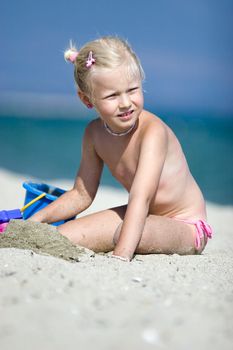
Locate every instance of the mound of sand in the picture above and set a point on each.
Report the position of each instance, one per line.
(42, 239)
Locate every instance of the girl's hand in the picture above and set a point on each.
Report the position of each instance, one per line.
(121, 258)
(122, 253)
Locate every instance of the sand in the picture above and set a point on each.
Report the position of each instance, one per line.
(42, 239)
(54, 295)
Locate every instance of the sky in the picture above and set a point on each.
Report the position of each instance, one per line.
(186, 48)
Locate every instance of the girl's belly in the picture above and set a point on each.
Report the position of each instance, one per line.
(186, 204)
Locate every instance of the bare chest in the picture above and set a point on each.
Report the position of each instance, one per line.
(121, 157)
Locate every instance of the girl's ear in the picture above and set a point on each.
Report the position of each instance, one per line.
(85, 99)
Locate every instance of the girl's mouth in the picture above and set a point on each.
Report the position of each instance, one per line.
(126, 115)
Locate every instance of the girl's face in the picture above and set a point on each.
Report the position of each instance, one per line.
(117, 97)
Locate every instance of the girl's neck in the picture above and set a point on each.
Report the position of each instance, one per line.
(123, 133)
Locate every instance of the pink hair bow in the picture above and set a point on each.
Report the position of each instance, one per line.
(73, 56)
(90, 60)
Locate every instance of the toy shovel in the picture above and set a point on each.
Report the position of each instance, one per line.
(7, 215)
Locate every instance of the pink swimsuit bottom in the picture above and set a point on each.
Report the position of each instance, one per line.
(202, 229)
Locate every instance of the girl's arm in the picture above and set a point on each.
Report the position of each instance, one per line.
(85, 187)
(151, 161)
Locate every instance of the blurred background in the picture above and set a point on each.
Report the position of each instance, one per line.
(186, 49)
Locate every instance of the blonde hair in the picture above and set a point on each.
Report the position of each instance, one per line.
(108, 53)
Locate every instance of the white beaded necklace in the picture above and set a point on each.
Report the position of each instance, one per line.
(119, 133)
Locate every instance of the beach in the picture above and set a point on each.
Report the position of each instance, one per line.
(82, 300)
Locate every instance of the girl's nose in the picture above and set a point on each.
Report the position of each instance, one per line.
(124, 101)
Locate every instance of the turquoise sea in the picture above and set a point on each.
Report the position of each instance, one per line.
(48, 148)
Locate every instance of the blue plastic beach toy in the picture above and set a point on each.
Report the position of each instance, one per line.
(35, 189)
(7, 215)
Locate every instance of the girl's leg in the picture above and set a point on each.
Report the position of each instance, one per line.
(163, 235)
(95, 231)
(100, 232)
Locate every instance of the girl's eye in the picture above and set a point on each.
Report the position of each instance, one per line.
(114, 95)
(133, 89)
(109, 97)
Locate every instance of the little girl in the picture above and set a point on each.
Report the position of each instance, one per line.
(166, 211)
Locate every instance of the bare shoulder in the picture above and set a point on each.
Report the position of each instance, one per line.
(93, 126)
(92, 131)
(152, 127)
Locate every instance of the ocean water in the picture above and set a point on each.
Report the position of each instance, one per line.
(48, 148)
